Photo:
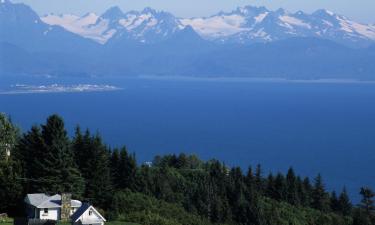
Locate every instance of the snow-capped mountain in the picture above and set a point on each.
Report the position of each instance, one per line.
(244, 25)
(112, 44)
(146, 26)
(248, 24)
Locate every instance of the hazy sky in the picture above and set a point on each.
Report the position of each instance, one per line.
(360, 10)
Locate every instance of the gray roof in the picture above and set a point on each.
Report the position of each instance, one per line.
(41, 200)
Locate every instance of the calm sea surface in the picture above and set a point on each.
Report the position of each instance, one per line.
(314, 127)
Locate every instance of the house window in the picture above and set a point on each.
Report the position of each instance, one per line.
(45, 211)
(90, 212)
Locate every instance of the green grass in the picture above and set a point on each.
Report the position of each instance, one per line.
(106, 223)
(10, 222)
(6, 221)
(120, 223)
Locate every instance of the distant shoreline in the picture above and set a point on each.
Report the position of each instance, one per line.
(257, 79)
(46, 89)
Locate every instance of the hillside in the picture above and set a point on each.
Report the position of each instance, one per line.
(172, 190)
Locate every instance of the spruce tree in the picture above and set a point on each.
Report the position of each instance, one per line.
(250, 181)
(127, 169)
(334, 202)
(320, 198)
(259, 179)
(10, 185)
(291, 185)
(307, 192)
(280, 187)
(59, 171)
(97, 173)
(114, 166)
(367, 202)
(270, 188)
(345, 206)
(8, 136)
(31, 152)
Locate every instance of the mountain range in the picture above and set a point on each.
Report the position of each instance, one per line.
(249, 41)
(244, 25)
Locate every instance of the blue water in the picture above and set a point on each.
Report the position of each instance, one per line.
(327, 128)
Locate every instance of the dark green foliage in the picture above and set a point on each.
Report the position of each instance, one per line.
(367, 201)
(126, 170)
(320, 199)
(334, 202)
(10, 186)
(10, 167)
(59, 171)
(361, 217)
(344, 204)
(292, 188)
(92, 158)
(49, 163)
(280, 187)
(30, 151)
(137, 207)
(174, 190)
(8, 136)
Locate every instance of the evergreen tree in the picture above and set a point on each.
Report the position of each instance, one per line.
(270, 187)
(127, 168)
(367, 202)
(250, 180)
(114, 165)
(59, 172)
(31, 152)
(97, 173)
(344, 204)
(291, 185)
(8, 136)
(334, 202)
(307, 192)
(280, 187)
(92, 158)
(360, 217)
(320, 198)
(10, 186)
(10, 167)
(259, 179)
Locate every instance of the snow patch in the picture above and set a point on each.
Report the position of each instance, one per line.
(294, 21)
(260, 17)
(217, 26)
(87, 26)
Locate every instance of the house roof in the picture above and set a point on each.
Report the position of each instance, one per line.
(41, 200)
(75, 217)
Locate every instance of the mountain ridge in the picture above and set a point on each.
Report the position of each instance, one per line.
(156, 43)
(244, 25)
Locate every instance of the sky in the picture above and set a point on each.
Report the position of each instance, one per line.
(359, 10)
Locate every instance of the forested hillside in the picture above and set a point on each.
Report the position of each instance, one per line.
(172, 190)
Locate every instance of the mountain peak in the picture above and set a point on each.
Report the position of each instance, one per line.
(113, 13)
(323, 12)
(281, 11)
(149, 10)
(249, 9)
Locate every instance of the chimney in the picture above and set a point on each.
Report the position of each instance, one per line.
(65, 206)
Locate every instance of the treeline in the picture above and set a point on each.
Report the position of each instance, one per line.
(172, 190)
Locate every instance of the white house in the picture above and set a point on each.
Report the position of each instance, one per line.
(87, 215)
(61, 207)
